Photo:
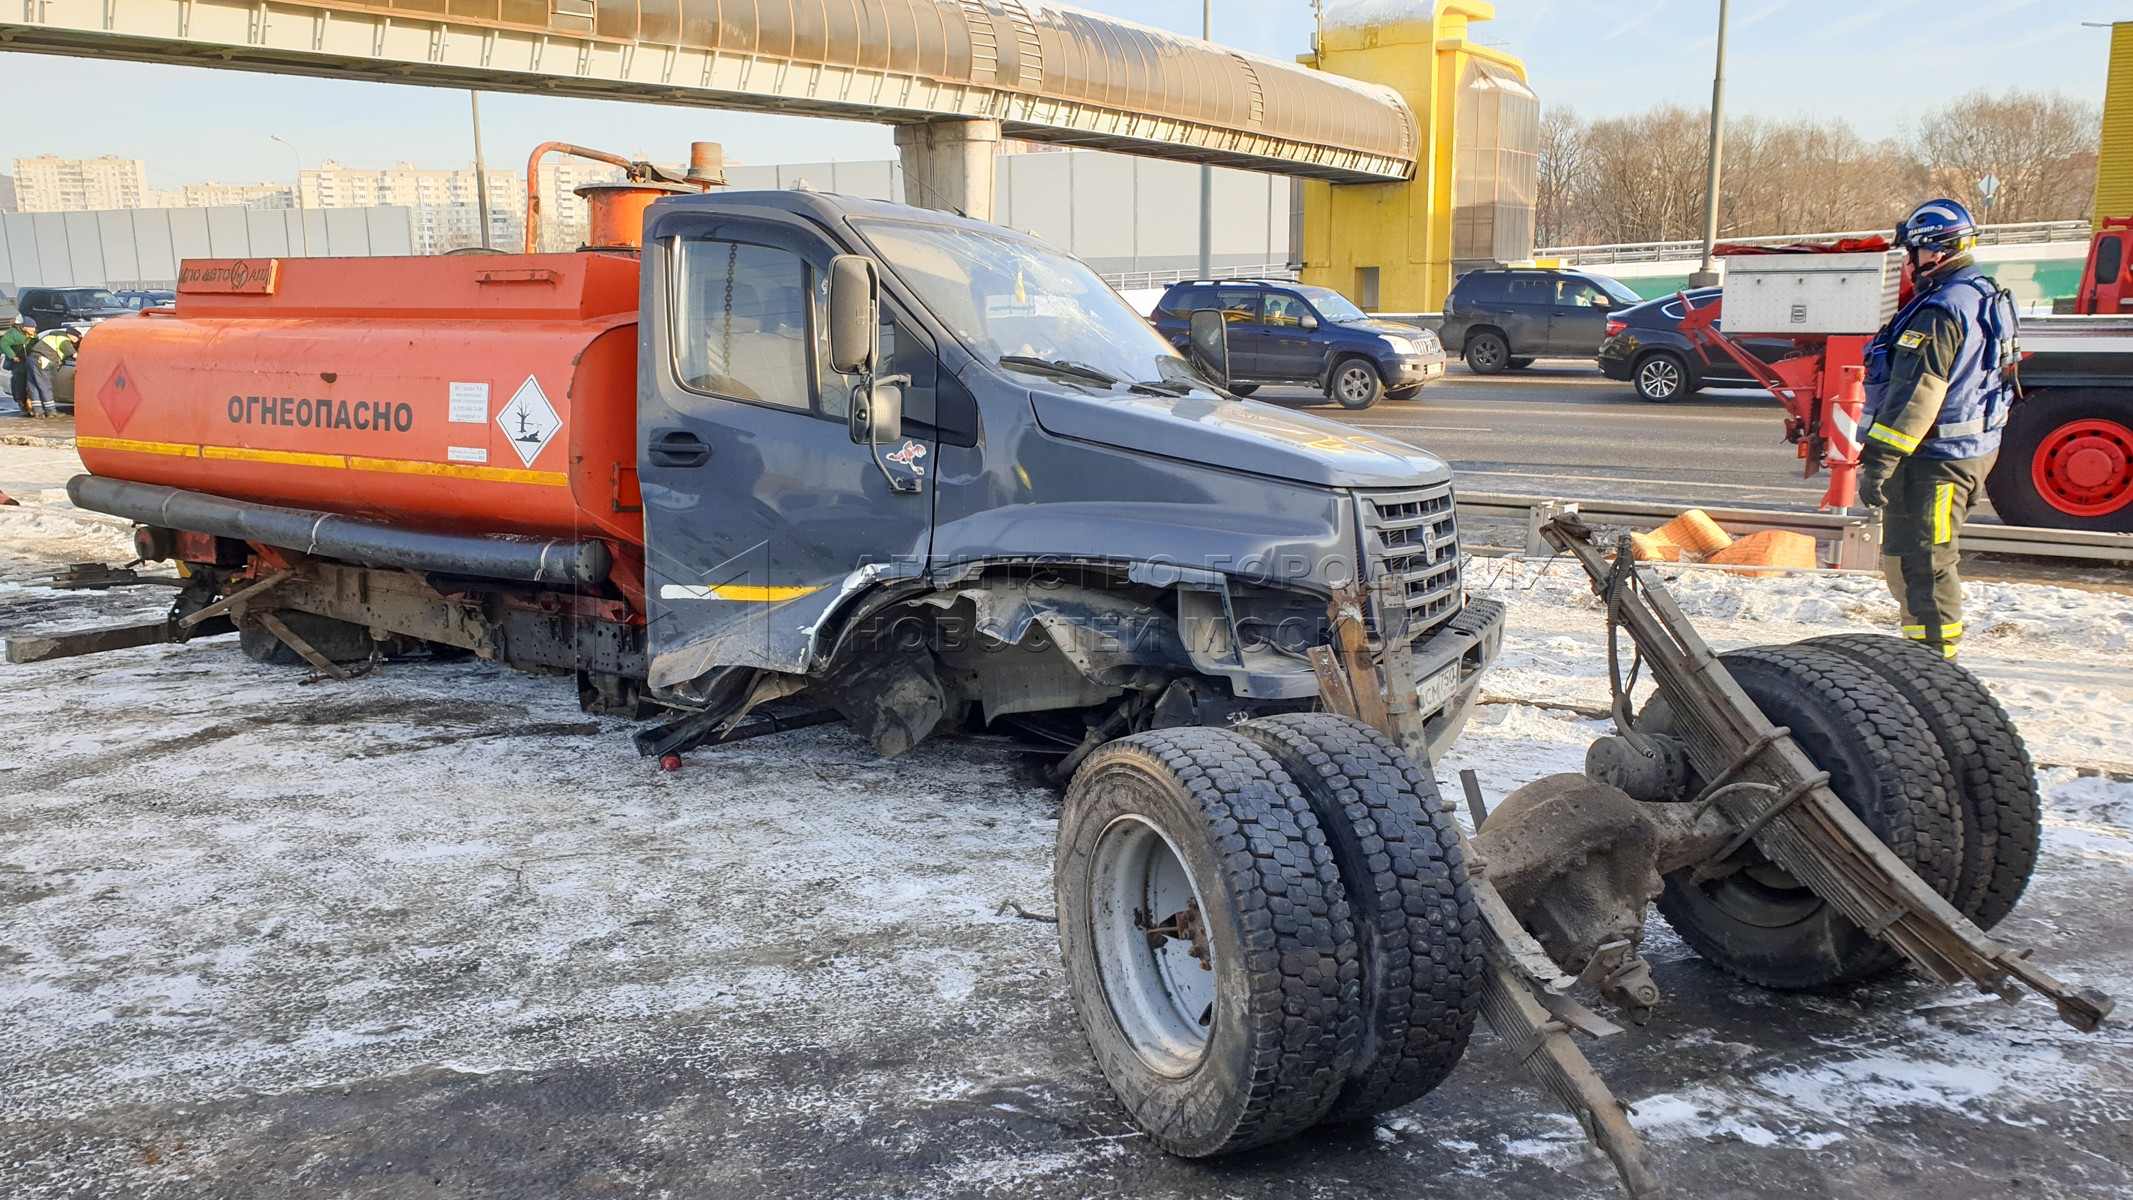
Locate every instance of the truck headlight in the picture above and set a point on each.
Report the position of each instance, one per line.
(1400, 345)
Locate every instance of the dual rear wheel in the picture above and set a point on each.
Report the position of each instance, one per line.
(1264, 927)
(1922, 755)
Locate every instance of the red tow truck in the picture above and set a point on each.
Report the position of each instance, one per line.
(2066, 460)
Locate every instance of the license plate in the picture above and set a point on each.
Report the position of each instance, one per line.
(1436, 691)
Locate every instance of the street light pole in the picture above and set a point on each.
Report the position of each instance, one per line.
(481, 172)
(1707, 275)
(1207, 173)
(302, 223)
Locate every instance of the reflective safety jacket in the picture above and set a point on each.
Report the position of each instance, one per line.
(53, 347)
(1940, 376)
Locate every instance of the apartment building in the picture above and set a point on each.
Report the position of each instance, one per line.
(49, 183)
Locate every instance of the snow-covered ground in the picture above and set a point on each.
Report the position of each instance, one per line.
(436, 930)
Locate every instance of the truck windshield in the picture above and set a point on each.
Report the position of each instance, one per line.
(1009, 299)
(90, 298)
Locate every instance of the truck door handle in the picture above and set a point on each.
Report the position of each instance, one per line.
(678, 448)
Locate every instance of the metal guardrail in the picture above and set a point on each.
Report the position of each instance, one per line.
(1850, 542)
(2014, 234)
(1126, 281)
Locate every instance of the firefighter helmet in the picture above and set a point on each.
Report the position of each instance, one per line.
(1943, 225)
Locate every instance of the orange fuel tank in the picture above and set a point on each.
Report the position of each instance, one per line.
(475, 393)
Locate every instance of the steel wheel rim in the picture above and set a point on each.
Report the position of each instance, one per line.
(1162, 997)
(1659, 377)
(2084, 468)
(1354, 385)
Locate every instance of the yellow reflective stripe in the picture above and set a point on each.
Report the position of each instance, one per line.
(300, 458)
(1948, 651)
(403, 466)
(1943, 512)
(128, 444)
(1914, 631)
(1954, 630)
(294, 458)
(1894, 437)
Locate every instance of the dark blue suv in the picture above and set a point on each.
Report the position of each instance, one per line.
(1292, 333)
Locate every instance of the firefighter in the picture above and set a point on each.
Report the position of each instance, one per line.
(46, 355)
(14, 354)
(1939, 384)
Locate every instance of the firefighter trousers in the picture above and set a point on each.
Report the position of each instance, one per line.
(1928, 500)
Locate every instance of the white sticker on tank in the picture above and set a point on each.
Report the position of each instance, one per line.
(529, 420)
(470, 403)
(473, 454)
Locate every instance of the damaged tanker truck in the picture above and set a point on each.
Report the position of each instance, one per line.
(758, 460)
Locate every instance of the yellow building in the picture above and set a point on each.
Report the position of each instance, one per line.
(2114, 159)
(1395, 247)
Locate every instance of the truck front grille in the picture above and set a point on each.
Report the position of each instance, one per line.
(1411, 546)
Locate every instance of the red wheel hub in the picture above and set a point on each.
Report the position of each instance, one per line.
(2085, 468)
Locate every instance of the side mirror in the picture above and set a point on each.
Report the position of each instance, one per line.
(1309, 323)
(1209, 352)
(1603, 302)
(854, 315)
(878, 413)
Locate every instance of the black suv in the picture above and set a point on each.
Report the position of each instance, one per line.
(1294, 333)
(83, 306)
(1507, 317)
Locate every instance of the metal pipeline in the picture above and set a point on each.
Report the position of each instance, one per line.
(550, 561)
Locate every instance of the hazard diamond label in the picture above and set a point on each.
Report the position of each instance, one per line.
(120, 398)
(529, 420)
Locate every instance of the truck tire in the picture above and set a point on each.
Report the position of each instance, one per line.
(340, 641)
(1243, 1032)
(1661, 376)
(1243, 389)
(1996, 784)
(1520, 364)
(1487, 352)
(1397, 848)
(1355, 383)
(1409, 392)
(1759, 923)
(2066, 462)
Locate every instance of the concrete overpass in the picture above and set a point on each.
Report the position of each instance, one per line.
(954, 75)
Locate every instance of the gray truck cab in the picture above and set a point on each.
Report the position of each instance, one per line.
(1016, 502)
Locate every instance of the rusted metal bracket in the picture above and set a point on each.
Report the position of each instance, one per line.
(1366, 688)
(237, 600)
(1543, 1046)
(1812, 834)
(304, 649)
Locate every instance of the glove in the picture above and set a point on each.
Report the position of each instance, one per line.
(1876, 465)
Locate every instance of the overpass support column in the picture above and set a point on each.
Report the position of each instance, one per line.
(948, 165)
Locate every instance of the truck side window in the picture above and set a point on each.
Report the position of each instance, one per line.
(2110, 258)
(742, 325)
(902, 353)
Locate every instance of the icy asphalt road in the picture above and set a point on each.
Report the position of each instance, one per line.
(435, 932)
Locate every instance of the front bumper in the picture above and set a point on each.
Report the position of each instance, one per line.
(1409, 369)
(1468, 644)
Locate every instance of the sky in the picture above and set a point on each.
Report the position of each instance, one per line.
(1879, 64)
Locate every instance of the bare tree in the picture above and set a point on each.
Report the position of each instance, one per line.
(1565, 162)
(2041, 147)
(1646, 176)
